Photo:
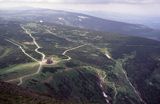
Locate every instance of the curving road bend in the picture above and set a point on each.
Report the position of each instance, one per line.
(42, 54)
(34, 41)
(69, 58)
(14, 43)
(36, 50)
(20, 78)
(66, 51)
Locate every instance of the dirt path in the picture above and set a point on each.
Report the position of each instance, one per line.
(14, 43)
(36, 50)
(65, 52)
(42, 54)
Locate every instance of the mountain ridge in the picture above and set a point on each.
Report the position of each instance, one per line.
(82, 21)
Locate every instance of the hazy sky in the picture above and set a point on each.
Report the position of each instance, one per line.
(86, 1)
(132, 7)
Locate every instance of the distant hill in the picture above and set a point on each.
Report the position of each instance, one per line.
(79, 20)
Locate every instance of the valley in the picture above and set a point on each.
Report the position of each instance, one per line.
(66, 64)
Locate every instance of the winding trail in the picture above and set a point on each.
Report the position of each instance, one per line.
(68, 58)
(42, 54)
(21, 78)
(22, 49)
(36, 50)
(65, 52)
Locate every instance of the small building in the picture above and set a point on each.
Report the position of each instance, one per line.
(49, 61)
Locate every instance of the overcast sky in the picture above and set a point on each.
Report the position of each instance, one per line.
(86, 1)
(130, 7)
